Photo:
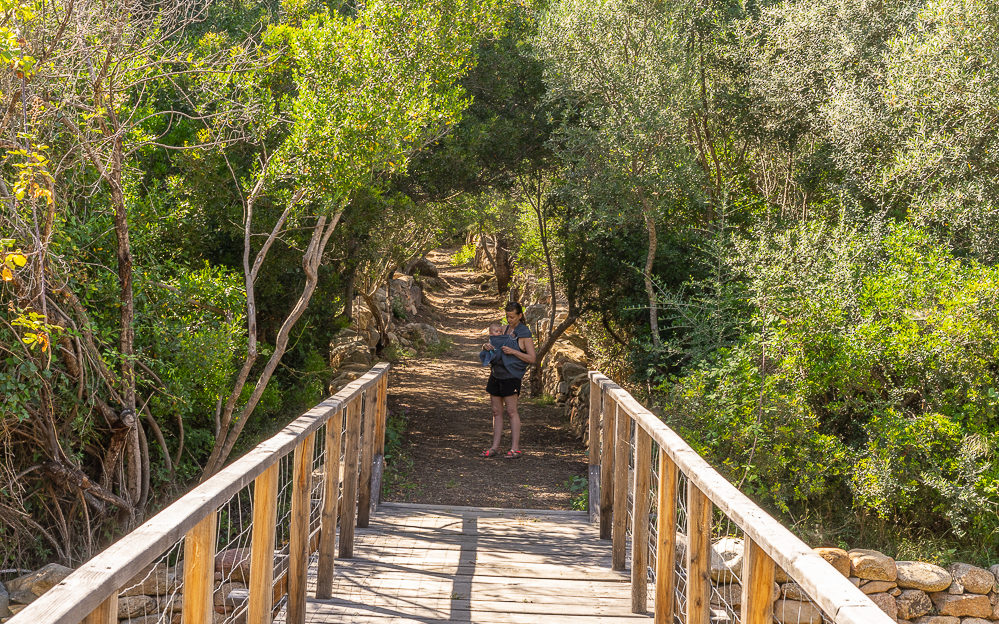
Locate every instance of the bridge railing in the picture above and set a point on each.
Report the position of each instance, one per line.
(237, 547)
(650, 489)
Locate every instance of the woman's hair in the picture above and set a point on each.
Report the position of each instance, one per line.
(513, 306)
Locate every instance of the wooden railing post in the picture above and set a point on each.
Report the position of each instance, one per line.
(331, 493)
(758, 572)
(382, 417)
(607, 468)
(367, 456)
(199, 572)
(265, 489)
(665, 539)
(698, 556)
(348, 505)
(596, 403)
(622, 446)
(105, 613)
(298, 544)
(640, 521)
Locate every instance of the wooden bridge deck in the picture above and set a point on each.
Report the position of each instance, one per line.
(425, 563)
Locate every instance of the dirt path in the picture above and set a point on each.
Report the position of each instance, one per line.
(449, 420)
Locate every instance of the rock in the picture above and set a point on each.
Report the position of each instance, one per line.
(938, 619)
(349, 349)
(837, 558)
(729, 594)
(995, 572)
(974, 605)
(726, 560)
(228, 596)
(973, 579)
(913, 603)
(4, 602)
(424, 267)
(25, 589)
(876, 587)
(421, 332)
(234, 564)
(793, 591)
(796, 612)
(780, 576)
(155, 580)
(142, 619)
(872, 565)
(974, 620)
(133, 606)
(885, 602)
(534, 313)
(853, 579)
(994, 599)
(920, 575)
(572, 369)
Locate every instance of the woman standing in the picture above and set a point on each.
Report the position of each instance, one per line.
(504, 384)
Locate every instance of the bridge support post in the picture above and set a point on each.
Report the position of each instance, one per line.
(622, 448)
(348, 504)
(298, 546)
(199, 572)
(262, 546)
(665, 539)
(367, 456)
(105, 613)
(607, 467)
(759, 571)
(698, 556)
(640, 522)
(596, 404)
(331, 502)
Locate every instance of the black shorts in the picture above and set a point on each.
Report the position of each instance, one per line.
(503, 387)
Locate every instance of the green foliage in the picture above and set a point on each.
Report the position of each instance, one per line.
(464, 255)
(579, 488)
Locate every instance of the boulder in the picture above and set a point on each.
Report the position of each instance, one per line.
(780, 576)
(726, 560)
(837, 558)
(994, 599)
(796, 612)
(234, 564)
(135, 606)
(938, 619)
(155, 580)
(886, 602)
(424, 267)
(141, 619)
(421, 332)
(995, 572)
(970, 579)
(920, 575)
(25, 589)
(228, 596)
(876, 587)
(872, 565)
(974, 620)
(793, 591)
(349, 349)
(534, 313)
(913, 603)
(974, 605)
(4, 602)
(728, 594)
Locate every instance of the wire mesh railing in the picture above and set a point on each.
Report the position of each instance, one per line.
(697, 546)
(236, 549)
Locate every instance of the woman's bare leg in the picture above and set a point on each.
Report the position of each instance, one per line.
(511, 409)
(497, 405)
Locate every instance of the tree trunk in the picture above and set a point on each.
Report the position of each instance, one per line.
(650, 258)
(502, 266)
(542, 352)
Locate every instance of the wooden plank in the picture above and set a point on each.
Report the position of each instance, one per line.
(758, 572)
(448, 608)
(348, 505)
(607, 465)
(407, 510)
(622, 448)
(665, 540)
(106, 613)
(199, 572)
(640, 522)
(511, 570)
(262, 547)
(367, 456)
(698, 556)
(298, 548)
(594, 493)
(331, 502)
(92, 582)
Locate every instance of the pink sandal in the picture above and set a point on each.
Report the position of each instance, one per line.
(489, 453)
(512, 454)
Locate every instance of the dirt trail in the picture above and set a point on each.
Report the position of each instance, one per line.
(450, 424)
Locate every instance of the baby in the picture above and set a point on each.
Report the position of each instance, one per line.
(498, 339)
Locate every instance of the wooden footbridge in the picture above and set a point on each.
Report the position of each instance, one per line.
(293, 532)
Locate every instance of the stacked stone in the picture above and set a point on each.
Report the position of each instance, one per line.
(149, 596)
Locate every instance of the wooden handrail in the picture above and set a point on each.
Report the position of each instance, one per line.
(831, 591)
(92, 589)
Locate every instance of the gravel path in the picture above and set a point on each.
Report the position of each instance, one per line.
(449, 420)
